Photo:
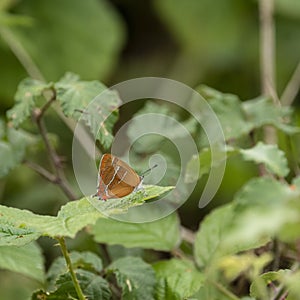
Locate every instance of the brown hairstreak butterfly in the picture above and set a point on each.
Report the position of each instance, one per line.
(116, 179)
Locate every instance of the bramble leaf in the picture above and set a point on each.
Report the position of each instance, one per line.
(12, 149)
(29, 90)
(135, 277)
(162, 234)
(91, 102)
(177, 277)
(211, 239)
(270, 155)
(22, 226)
(93, 287)
(80, 260)
(27, 260)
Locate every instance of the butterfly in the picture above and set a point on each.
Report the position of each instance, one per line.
(116, 179)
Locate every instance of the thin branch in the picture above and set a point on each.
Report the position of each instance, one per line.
(66, 255)
(292, 88)
(21, 54)
(267, 60)
(187, 235)
(41, 171)
(54, 158)
(224, 291)
(267, 48)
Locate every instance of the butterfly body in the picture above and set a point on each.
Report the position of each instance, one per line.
(116, 179)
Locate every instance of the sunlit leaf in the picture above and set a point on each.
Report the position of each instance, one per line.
(19, 227)
(270, 155)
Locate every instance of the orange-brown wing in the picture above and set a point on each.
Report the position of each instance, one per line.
(116, 178)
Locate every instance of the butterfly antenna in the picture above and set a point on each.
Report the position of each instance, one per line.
(149, 170)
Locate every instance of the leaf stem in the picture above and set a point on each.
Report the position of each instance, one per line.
(66, 255)
(224, 291)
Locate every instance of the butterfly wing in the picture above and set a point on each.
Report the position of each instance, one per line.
(116, 178)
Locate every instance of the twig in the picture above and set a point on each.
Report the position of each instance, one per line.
(267, 48)
(292, 88)
(187, 235)
(224, 291)
(66, 255)
(54, 158)
(21, 54)
(41, 171)
(267, 60)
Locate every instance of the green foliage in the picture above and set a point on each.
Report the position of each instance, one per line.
(162, 234)
(29, 90)
(27, 260)
(177, 279)
(135, 277)
(13, 144)
(19, 227)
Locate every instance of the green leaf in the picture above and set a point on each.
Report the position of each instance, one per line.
(159, 235)
(212, 238)
(92, 102)
(262, 111)
(64, 44)
(22, 226)
(177, 277)
(228, 109)
(195, 25)
(80, 260)
(135, 277)
(206, 162)
(259, 201)
(27, 260)
(93, 286)
(29, 90)
(259, 287)
(13, 149)
(157, 119)
(289, 8)
(270, 155)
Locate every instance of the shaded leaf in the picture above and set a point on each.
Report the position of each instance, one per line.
(270, 155)
(80, 260)
(13, 149)
(27, 260)
(91, 102)
(158, 120)
(135, 277)
(93, 286)
(29, 90)
(228, 109)
(89, 50)
(162, 234)
(195, 172)
(178, 277)
(259, 287)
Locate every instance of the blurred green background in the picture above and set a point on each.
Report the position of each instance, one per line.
(196, 42)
